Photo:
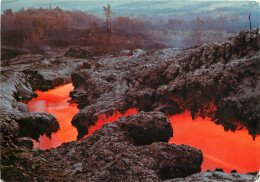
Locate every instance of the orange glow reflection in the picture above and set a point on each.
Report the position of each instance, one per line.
(56, 102)
(227, 150)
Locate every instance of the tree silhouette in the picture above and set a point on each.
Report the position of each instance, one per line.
(249, 17)
(108, 13)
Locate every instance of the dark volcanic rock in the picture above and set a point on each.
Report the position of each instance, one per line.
(22, 107)
(7, 54)
(35, 124)
(25, 141)
(141, 98)
(218, 80)
(111, 154)
(214, 176)
(76, 52)
(19, 79)
(125, 161)
(147, 128)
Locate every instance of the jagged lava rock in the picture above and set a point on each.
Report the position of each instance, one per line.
(35, 124)
(215, 175)
(219, 80)
(111, 154)
(19, 80)
(147, 128)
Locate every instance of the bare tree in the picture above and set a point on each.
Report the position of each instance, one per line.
(109, 14)
(249, 17)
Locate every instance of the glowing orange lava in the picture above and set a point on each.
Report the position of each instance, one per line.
(56, 102)
(227, 150)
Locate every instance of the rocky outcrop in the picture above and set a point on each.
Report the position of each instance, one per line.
(217, 175)
(35, 124)
(219, 80)
(19, 79)
(133, 148)
(147, 128)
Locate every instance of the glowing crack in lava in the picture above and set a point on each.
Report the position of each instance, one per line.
(221, 149)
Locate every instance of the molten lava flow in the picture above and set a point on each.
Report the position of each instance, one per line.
(56, 102)
(227, 150)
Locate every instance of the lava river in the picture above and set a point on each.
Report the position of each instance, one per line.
(221, 149)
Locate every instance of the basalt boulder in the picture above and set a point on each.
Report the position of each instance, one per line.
(35, 124)
(147, 128)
